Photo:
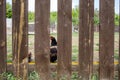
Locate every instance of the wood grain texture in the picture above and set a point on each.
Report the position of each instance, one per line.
(3, 50)
(119, 43)
(64, 39)
(106, 47)
(42, 48)
(20, 38)
(86, 26)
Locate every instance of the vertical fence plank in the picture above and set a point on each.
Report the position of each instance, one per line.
(20, 38)
(42, 14)
(119, 44)
(106, 40)
(86, 38)
(64, 38)
(91, 34)
(3, 51)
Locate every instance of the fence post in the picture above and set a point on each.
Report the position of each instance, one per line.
(3, 50)
(42, 48)
(106, 51)
(86, 30)
(20, 38)
(119, 44)
(64, 39)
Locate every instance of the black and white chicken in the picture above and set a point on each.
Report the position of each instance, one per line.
(53, 49)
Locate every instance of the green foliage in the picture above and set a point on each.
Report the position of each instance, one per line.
(74, 53)
(9, 58)
(33, 76)
(53, 17)
(31, 16)
(116, 55)
(8, 10)
(74, 76)
(94, 77)
(8, 76)
(2, 76)
(75, 16)
(96, 17)
(116, 19)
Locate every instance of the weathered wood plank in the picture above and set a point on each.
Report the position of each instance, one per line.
(20, 38)
(86, 27)
(106, 47)
(64, 39)
(3, 50)
(42, 47)
(91, 35)
(119, 44)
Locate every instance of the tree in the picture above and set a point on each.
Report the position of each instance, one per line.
(116, 19)
(8, 10)
(53, 17)
(96, 16)
(31, 16)
(75, 16)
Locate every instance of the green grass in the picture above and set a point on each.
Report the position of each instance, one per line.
(9, 76)
(75, 53)
(34, 76)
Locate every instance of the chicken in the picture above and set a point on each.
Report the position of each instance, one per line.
(30, 57)
(53, 49)
(53, 41)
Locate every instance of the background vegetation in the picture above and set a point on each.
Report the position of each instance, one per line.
(53, 16)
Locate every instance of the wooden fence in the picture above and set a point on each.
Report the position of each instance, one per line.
(64, 37)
